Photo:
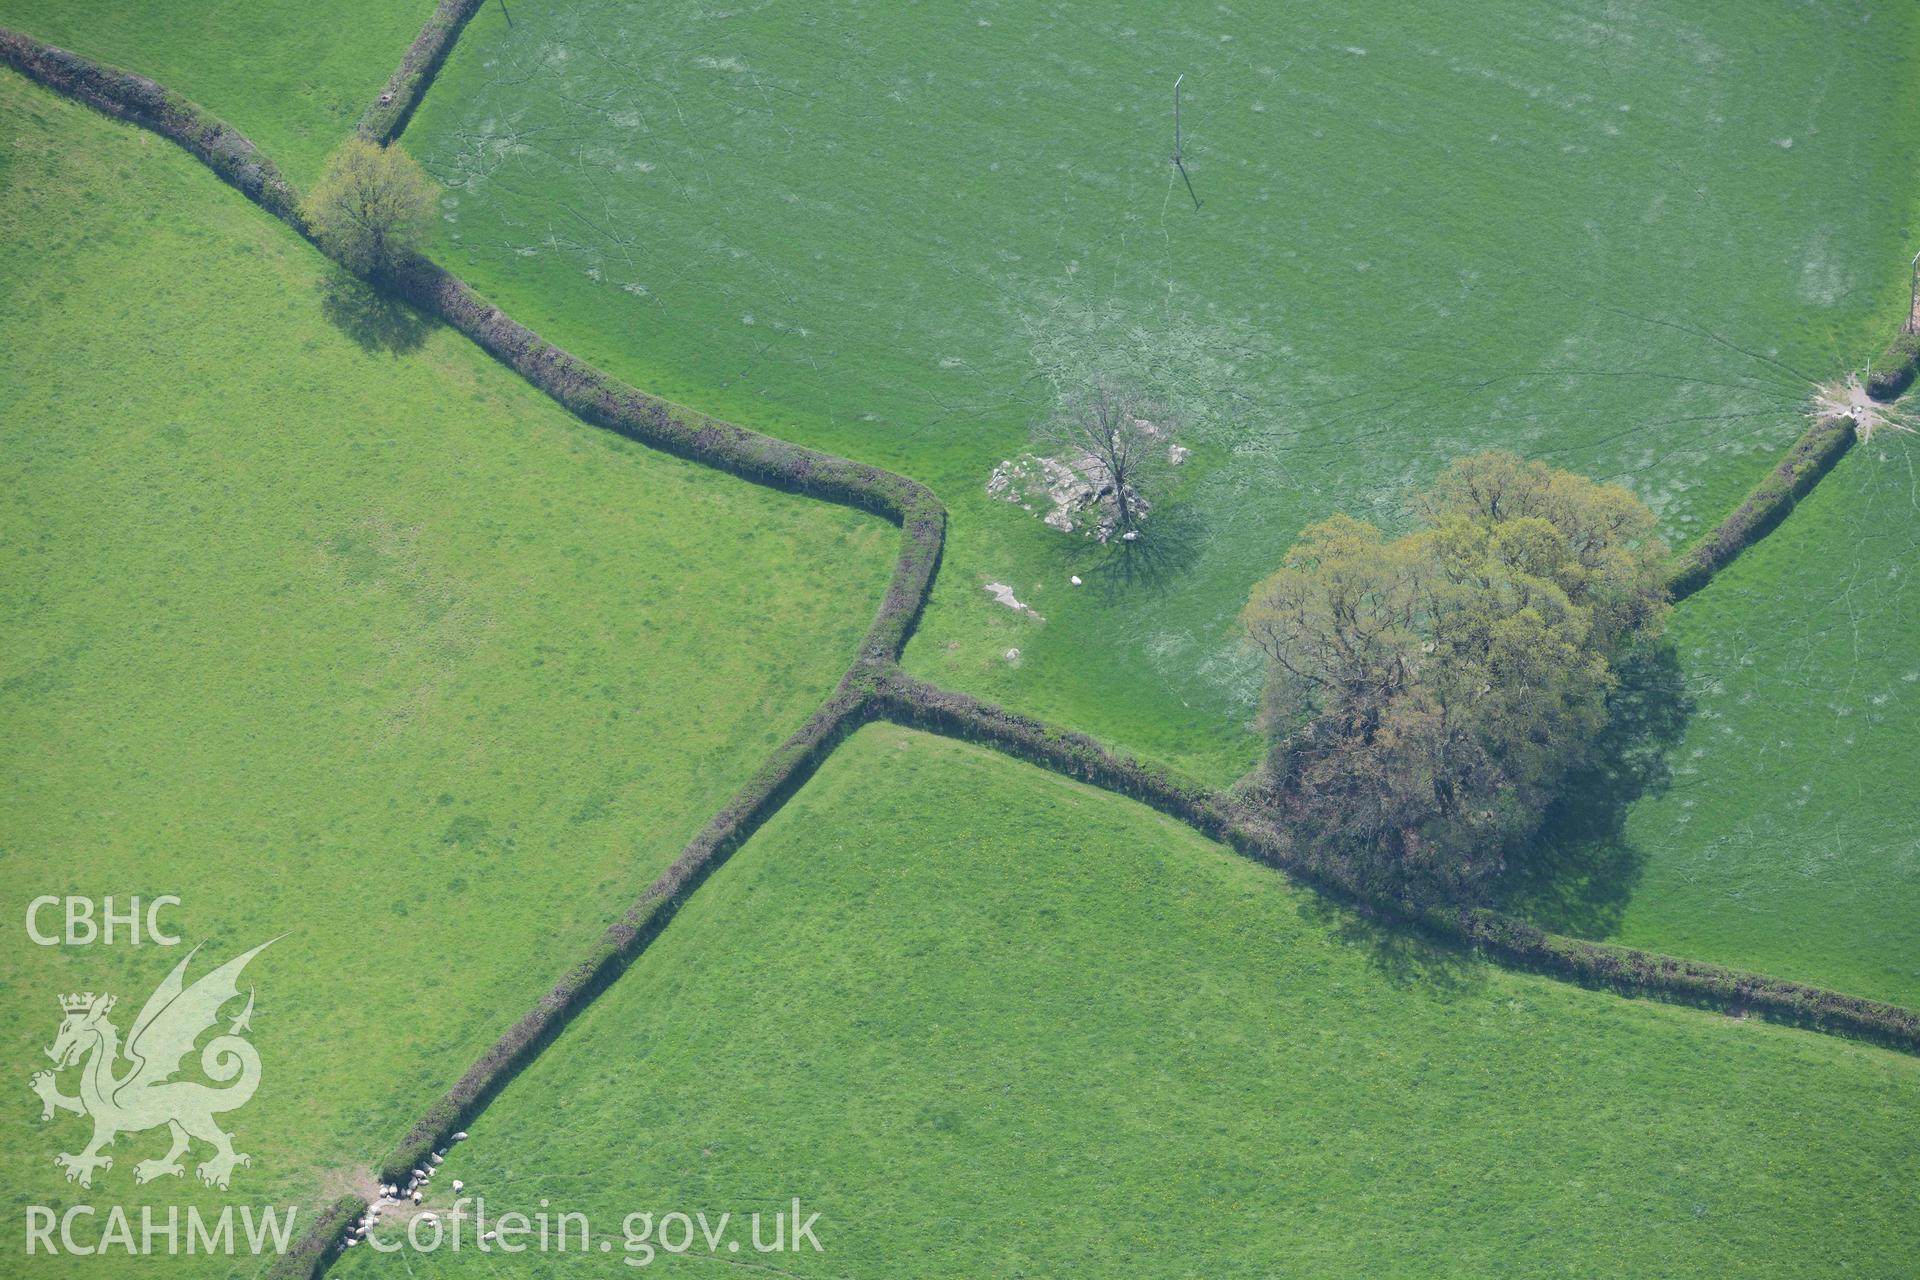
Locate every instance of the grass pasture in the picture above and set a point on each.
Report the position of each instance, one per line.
(336, 629)
(293, 75)
(987, 1021)
(1619, 238)
(1781, 830)
(321, 620)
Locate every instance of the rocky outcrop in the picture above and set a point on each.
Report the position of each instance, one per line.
(1072, 495)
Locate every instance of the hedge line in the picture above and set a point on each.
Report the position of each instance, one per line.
(1711, 986)
(589, 393)
(1811, 457)
(1896, 369)
(789, 767)
(905, 700)
(319, 1243)
(876, 684)
(607, 402)
(126, 96)
(912, 702)
(390, 112)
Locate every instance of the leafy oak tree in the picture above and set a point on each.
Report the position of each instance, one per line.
(1428, 694)
(371, 206)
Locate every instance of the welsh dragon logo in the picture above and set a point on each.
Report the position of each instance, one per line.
(143, 1096)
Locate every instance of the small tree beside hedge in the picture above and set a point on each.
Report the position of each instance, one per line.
(371, 207)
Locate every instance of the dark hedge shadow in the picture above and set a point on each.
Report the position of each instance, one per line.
(375, 321)
(1580, 871)
(1398, 951)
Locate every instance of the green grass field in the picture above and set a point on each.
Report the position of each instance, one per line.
(293, 76)
(376, 649)
(1615, 239)
(990, 1022)
(318, 618)
(1783, 834)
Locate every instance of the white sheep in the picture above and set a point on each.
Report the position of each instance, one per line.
(457, 1184)
(460, 1136)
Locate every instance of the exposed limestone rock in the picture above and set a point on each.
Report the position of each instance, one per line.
(1070, 494)
(1003, 593)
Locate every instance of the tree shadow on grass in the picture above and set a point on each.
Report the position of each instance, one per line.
(1579, 873)
(375, 321)
(1398, 951)
(1169, 543)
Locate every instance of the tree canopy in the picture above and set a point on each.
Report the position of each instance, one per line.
(1429, 694)
(371, 205)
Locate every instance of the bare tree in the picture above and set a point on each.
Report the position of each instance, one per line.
(1118, 436)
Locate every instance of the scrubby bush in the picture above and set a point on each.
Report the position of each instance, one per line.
(371, 206)
(1429, 694)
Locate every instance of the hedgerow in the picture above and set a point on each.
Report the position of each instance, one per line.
(791, 764)
(875, 685)
(586, 391)
(309, 1255)
(604, 401)
(1893, 373)
(1812, 456)
(390, 112)
(905, 700)
(126, 96)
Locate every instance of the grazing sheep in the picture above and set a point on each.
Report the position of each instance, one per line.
(460, 1136)
(457, 1184)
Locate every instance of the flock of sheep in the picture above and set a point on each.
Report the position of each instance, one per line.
(415, 1192)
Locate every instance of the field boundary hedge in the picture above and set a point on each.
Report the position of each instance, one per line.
(1765, 506)
(875, 685)
(603, 401)
(388, 116)
(590, 394)
(791, 764)
(1896, 369)
(905, 700)
(320, 1243)
(138, 100)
